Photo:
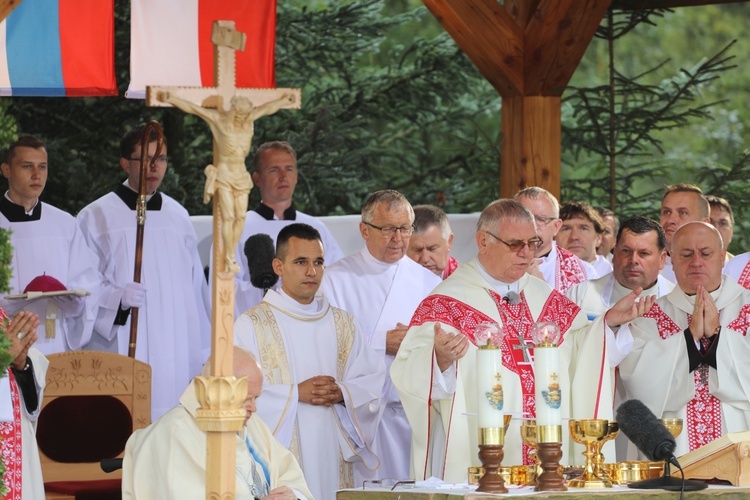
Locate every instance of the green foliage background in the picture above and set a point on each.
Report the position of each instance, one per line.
(389, 101)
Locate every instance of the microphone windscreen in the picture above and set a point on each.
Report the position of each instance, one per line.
(260, 252)
(644, 430)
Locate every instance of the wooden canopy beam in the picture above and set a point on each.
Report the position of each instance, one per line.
(489, 36)
(555, 40)
(528, 50)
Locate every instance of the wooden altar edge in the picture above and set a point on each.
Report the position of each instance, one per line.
(727, 458)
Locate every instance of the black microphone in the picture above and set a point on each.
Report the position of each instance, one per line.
(260, 252)
(646, 431)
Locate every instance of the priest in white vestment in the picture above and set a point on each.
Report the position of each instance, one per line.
(689, 350)
(558, 267)
(275, 175)
(322, 380)
(172, 296)
(680, 204)
(638, 257)
(738, 268)
(167, 460)
(581, 234)
(435, 369)
(382, 287)
(21, 393)
(430, 244)
(47, 241)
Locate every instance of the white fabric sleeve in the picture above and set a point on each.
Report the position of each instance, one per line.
(619, 345)
(443, 383)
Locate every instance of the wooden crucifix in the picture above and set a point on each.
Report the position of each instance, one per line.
(231, 113)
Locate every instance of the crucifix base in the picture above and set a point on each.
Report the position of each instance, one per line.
(550, 479)
(491, 456)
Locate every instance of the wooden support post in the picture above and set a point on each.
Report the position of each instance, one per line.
(531, 146)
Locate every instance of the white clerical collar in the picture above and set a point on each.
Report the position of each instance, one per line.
(372, 261)
(500, 287)
(30, 212)
(313, 307)
(621, 291)
(714, 295)
(127, 184)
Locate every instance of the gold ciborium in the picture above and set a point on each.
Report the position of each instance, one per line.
(590, 433)
(673, 425)
(601, 471)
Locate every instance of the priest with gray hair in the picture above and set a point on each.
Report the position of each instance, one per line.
(435, 371)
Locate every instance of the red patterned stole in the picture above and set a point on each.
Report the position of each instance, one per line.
(450, 266)
(704, 410)
(517, 324)
(744, 279)
(568, 270)
(11, 445)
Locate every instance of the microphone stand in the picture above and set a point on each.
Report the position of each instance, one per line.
(668, 482)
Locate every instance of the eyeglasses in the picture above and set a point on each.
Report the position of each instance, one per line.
(388, 483)
(389, 231)
(543, 220)
(161, 159)
(517, 245)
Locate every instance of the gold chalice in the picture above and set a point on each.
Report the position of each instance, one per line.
(673, 425)
(612, 431)
(590, 433)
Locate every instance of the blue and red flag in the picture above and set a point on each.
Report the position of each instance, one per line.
(58, 48)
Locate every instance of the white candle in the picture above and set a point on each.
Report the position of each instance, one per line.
(547, 369)
(489, 386)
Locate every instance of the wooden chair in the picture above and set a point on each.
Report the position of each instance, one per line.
(92, 404)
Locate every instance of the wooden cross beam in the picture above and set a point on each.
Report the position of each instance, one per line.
(226, 41)
(528, 50)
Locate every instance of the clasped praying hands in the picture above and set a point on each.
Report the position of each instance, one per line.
(321, 390)
(705, 321)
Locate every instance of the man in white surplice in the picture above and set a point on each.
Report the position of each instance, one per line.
(690, 349)
(322, 381)
(638, 257)
(681, 203)
(47, 241)
(172, 296)
(560, 268)
(275, 173)
(435, 370)
(382, 287)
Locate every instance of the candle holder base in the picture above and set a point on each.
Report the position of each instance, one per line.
(491, 456)
(550, 479)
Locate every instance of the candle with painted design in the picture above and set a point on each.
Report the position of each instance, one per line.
(546, 374)
(489, 383)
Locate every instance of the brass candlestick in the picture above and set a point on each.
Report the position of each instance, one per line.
(590, 433)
